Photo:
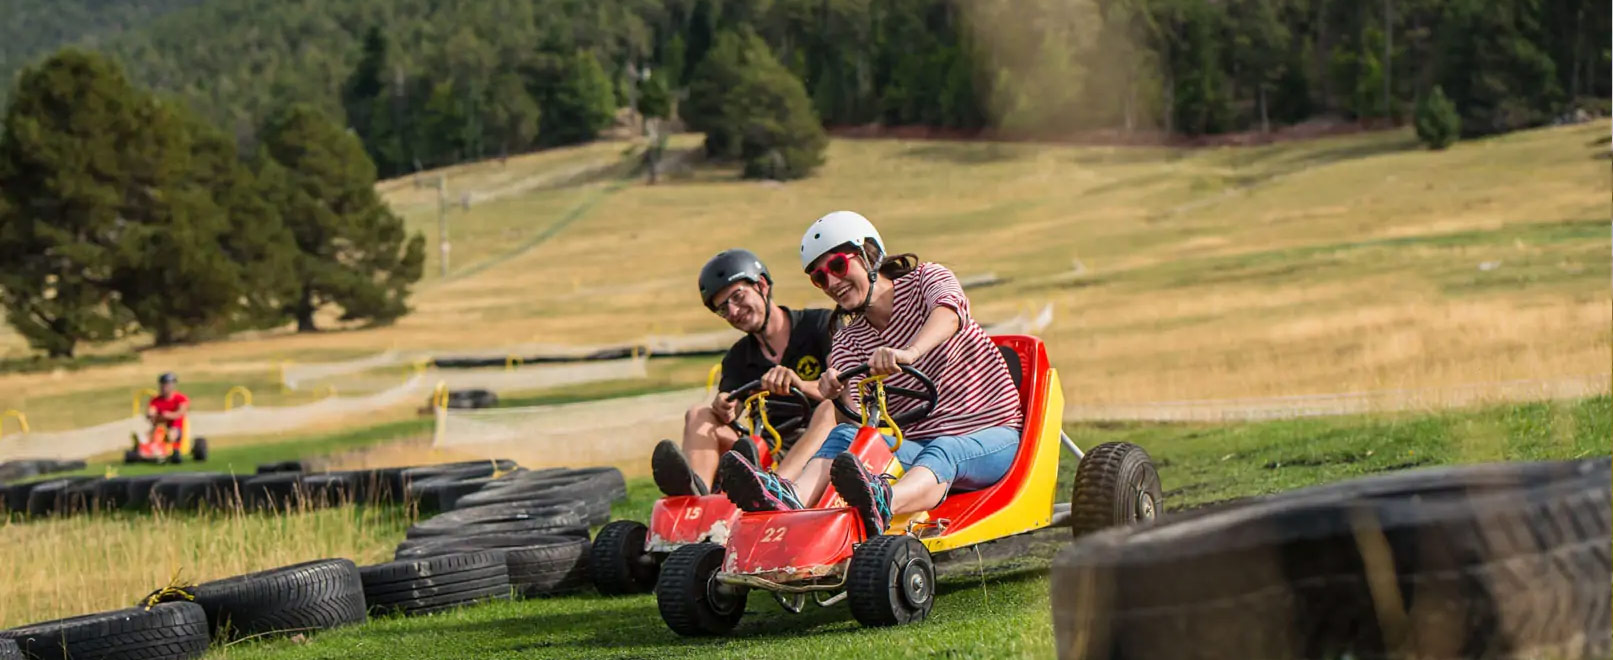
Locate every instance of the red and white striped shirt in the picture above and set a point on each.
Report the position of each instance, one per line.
(971, 378)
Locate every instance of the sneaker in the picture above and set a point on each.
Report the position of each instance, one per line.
(870, 495)
(747, 449)
(751, 489)
(672, 472)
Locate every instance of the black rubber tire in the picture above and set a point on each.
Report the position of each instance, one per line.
(432, 583)
(684, 589)
(315, 595)
(447, 545)
(608, 480)
(198, 449)
(282, 466)
(16, 499)
(1115, 485)
(169, 630)
(466, 469)
(51, 496)
(558, 517)
(891, 581)
(584, 488)
(1490, 561)
(140, 490)
(86, 496)
(334, 489)
(272, 491)
(551, 568)
(618, 565)
(9, 650)
(213, 491)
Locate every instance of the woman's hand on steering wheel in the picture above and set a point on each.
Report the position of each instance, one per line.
(926, 395)
(887, 360)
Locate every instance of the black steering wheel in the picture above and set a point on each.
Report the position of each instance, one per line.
(796, 407)
(926, 396)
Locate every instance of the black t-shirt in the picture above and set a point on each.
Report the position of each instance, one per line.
(806, 353)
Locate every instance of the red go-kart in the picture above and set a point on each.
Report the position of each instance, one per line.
(626, 556)
(157, 448)
(889, 579)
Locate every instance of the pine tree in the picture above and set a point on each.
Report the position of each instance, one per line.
(576, 97)
(1438, 122)
(353, 252)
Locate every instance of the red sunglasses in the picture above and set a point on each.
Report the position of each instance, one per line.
(837, 265)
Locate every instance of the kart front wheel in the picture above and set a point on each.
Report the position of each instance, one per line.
(891, 581)
(617, 562)
(692, 602)
(1115, 485)
(198, 449)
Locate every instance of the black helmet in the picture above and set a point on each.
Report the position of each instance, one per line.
(167, 377)
(730, 266)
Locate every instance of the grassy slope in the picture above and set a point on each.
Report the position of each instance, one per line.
(1002, 613)
(1337, 264)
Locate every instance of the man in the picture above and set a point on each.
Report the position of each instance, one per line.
(783, 348)
(168, 407)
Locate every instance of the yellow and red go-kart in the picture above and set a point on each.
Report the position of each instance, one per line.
(626, 556)
(889, 579)
(157, 448)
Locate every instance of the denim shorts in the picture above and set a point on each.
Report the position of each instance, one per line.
(968, 462)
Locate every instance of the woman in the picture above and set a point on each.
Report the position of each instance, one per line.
(900, 312)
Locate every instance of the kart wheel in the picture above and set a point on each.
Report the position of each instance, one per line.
(198, 449)
(619, 564)
(891, 581)
(175, 458)
(131, 456)
(691, 601)
(1115, 485)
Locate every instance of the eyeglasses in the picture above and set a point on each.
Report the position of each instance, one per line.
(733, 299)
(838, 264)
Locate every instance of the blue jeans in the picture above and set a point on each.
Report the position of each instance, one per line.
(968, 462)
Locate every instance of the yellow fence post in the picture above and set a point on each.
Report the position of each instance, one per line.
(711, 376)
(22, 420)
(439, 408)
(513, 361)
(229, 397)
(134, 400)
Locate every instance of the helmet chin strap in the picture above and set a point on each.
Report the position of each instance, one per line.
(767, 316)
(873, 276)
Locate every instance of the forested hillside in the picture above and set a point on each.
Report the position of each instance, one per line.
(32, 29)
(455, 70)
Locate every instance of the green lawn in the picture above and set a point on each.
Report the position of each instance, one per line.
(1001, 610)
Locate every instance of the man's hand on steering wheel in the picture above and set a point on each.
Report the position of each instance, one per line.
(724, 409)
(887, 360)
(779, 380)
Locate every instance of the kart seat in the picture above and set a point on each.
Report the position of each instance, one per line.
(1015, 370)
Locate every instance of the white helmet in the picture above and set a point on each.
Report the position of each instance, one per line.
(834, 230)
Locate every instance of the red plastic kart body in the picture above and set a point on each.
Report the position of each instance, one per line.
(679, 520)
(810, 549)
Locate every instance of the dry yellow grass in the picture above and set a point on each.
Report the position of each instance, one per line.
(1334, 265)
(72, 566)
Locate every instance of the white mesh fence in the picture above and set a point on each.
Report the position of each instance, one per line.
(606, 431)
(499, 379)
(1346, 403)
(241, 420)
(295, 376)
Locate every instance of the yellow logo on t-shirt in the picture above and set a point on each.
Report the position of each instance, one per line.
(808, 367)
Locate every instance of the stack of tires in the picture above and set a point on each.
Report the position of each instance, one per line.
(536, 520)
(1501, 560)
(302, 598)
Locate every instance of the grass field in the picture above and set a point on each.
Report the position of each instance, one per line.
(993, 609)
(1339, 264)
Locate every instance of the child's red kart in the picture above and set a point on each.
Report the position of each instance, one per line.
(890, 579)
(157, 448)
(626, 556)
